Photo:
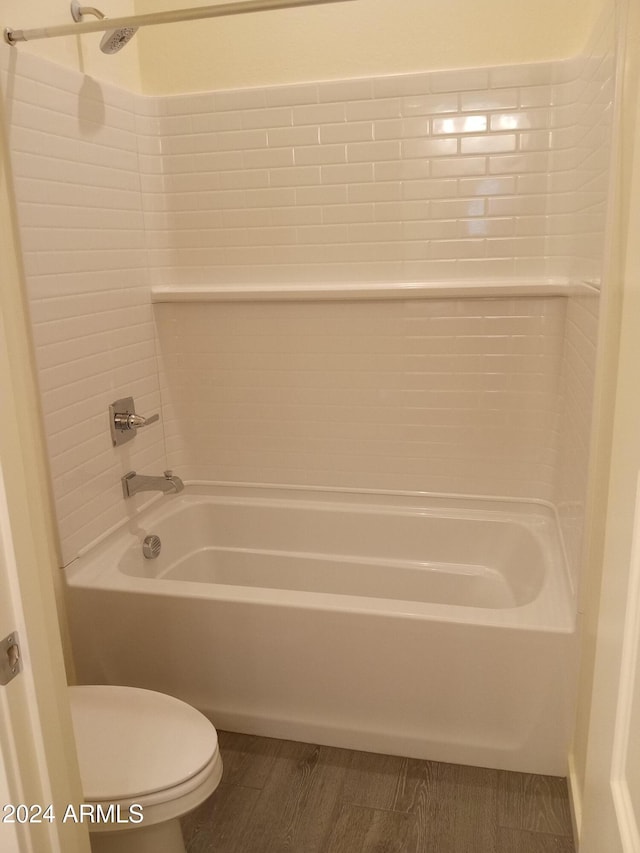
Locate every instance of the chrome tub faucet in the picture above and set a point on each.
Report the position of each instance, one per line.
(133, 483)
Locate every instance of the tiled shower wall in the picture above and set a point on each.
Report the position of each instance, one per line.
(424, 176)
(435, 395)
(579, 157)
(579, 164)
(578, 368)
(419, 177)
(495, 172)
(74, 156)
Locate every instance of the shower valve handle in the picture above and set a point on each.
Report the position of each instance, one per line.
(124, 423)
(125, 420)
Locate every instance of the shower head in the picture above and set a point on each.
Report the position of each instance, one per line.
(114, 40)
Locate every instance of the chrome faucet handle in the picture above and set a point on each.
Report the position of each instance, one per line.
(124, 422)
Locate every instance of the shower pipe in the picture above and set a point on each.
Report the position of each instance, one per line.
(171, 17)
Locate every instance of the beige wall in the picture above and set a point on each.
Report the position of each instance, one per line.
(613, 522)
(354, 39)
(81, 53)
(351, 39)
(612, 508)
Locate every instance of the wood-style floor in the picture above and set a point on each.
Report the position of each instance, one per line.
(280, 796)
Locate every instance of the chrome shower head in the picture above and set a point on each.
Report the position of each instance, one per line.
(114, 40)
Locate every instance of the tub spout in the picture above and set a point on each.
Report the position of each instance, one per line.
(133, 483)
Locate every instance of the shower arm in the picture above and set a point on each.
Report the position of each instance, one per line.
(195, 14)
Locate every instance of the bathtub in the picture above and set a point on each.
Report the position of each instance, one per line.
(431, 627)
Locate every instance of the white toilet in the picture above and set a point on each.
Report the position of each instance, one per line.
(138, 747)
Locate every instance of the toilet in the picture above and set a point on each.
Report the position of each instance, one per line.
(145, 760)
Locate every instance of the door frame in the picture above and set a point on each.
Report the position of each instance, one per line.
(38, 747)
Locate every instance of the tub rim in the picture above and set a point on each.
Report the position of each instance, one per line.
(552, 610)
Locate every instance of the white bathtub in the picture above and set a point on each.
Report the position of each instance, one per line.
(428, 627)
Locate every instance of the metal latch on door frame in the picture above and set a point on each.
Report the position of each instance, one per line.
(10, 663)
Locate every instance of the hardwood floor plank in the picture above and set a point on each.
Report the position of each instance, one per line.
(462, 817)
(521, 841)
(416, 785)
(247, 759)
(216, 826)
(287, 797)
(362, 830)
(372, 780)
(295, 809)
(534, 803)
(416, 793)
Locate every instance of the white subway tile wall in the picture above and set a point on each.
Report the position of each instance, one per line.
(434, 175)
(75, 164)
(424, 176)
(453, 395)
(580, 166)
(579, 362)
(580, 153)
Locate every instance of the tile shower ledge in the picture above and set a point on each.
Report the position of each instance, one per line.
(339, 291)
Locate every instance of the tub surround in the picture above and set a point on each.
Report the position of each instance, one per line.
(426, 176)
(578, 370)
(460, 395)
(76, 178)
(481, 174)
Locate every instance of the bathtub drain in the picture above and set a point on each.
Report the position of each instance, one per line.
(151, 546)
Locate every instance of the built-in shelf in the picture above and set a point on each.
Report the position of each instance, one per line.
(340, 291)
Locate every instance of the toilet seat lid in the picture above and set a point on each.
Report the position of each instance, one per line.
(132, 742)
